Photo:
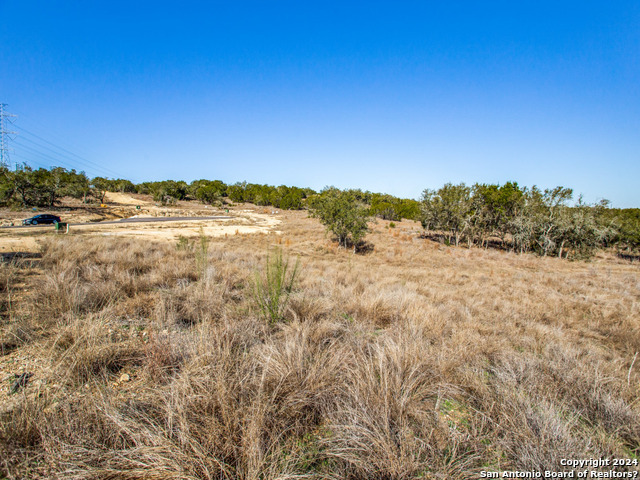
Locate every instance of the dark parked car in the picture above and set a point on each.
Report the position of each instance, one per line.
(41, 219)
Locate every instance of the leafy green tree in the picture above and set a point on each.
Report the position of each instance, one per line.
(39, 187)
(23, 185)
(78, 186)
(549, 216)
(581, 231)
(494, 208)
(287, 198)
(236, 192)
(7, 185)
(293, 199)
(393, 208)
(447, 209)
(342, 213)
(207, 194)
(261, 194)
(51, 184)
(167, 191)
(626, 226)
(99, 188)
(123, 186)
(144, 188)
(308, 192)
(362, 197)
(384, 206)
(207, 191)
(407, 208)
(284, 197)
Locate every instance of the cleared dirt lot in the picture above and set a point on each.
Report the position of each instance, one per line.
(88, 221)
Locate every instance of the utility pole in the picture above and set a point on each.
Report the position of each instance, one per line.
(4, 136)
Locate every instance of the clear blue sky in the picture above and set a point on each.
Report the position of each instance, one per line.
(385, 96)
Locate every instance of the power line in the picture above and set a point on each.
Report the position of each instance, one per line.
(43, 156)
(30, 160)
(48, 151)
(52, 135)
(83, 161)
(4, 136)
(65, 160)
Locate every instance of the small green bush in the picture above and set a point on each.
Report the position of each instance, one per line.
(183, 243)
(274, 285)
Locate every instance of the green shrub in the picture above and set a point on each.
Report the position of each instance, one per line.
(342, 214)
(274, 285)
(183, 243)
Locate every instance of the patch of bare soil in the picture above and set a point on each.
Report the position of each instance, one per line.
(85, 220)
(118, 198)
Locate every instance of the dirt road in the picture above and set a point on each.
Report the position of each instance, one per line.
(126, 220)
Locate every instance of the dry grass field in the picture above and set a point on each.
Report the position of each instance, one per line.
(152, 359)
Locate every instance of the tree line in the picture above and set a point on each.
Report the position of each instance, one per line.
(546, 222)
(43, 187)
(520, 219)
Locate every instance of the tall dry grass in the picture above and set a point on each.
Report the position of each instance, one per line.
(16, 328)
(413, 361)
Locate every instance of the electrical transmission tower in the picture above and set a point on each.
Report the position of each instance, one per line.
(4, 136)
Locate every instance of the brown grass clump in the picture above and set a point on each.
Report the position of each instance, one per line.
(16, 328)
(413, 360)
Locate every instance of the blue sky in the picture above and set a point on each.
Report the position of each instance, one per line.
(385, 96)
